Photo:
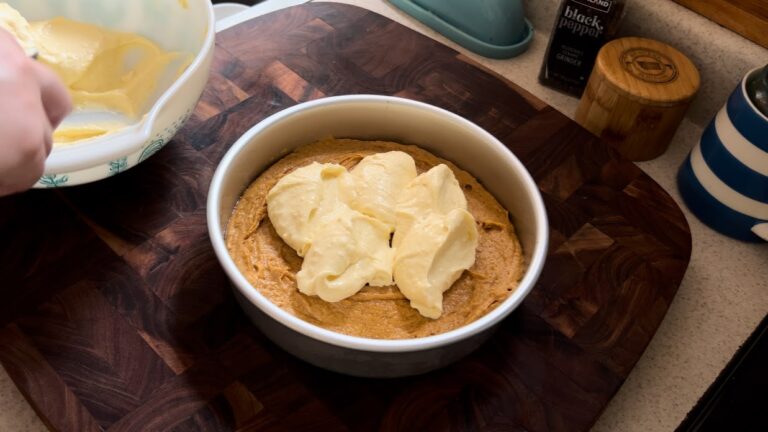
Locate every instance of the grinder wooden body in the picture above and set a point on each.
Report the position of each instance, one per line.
(637, 95)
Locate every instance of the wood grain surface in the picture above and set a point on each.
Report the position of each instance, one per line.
(748, 18)
(115, 314)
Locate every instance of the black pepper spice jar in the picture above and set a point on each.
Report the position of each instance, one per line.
(581, 28)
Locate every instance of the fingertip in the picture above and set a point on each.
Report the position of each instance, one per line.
(56, 99)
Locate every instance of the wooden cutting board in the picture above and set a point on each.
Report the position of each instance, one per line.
(115, 314)
(748, 18)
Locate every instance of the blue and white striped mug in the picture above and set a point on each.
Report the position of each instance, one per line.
(724, 181)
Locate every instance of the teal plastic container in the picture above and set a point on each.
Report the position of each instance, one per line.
(492, 28)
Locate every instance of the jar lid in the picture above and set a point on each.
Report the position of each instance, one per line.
(648, 71)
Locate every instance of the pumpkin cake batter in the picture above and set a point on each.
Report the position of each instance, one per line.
(271, 265)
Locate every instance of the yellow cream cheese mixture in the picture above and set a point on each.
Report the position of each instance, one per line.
(104, 70)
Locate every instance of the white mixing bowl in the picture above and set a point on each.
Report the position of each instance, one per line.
(184, 26)
(377, 117)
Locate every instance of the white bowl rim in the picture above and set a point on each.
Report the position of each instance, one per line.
(68, 159)
(285, 318)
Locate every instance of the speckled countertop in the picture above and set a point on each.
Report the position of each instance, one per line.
(725, 292)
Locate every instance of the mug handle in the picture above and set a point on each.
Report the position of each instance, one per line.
(761, 230)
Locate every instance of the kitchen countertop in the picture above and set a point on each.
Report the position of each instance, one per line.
(724, 294)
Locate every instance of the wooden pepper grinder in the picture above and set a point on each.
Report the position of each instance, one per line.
(637, 96)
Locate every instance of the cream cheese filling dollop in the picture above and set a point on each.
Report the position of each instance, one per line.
(344, 249)
(435, 239)
(349, 250)
(341, 222)
(380, 178)
(295, 202)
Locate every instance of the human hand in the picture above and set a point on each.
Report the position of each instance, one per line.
(33, 102)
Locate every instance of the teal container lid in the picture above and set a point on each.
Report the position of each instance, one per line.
(491, 28)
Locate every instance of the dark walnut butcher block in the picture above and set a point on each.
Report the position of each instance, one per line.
(115, 315)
